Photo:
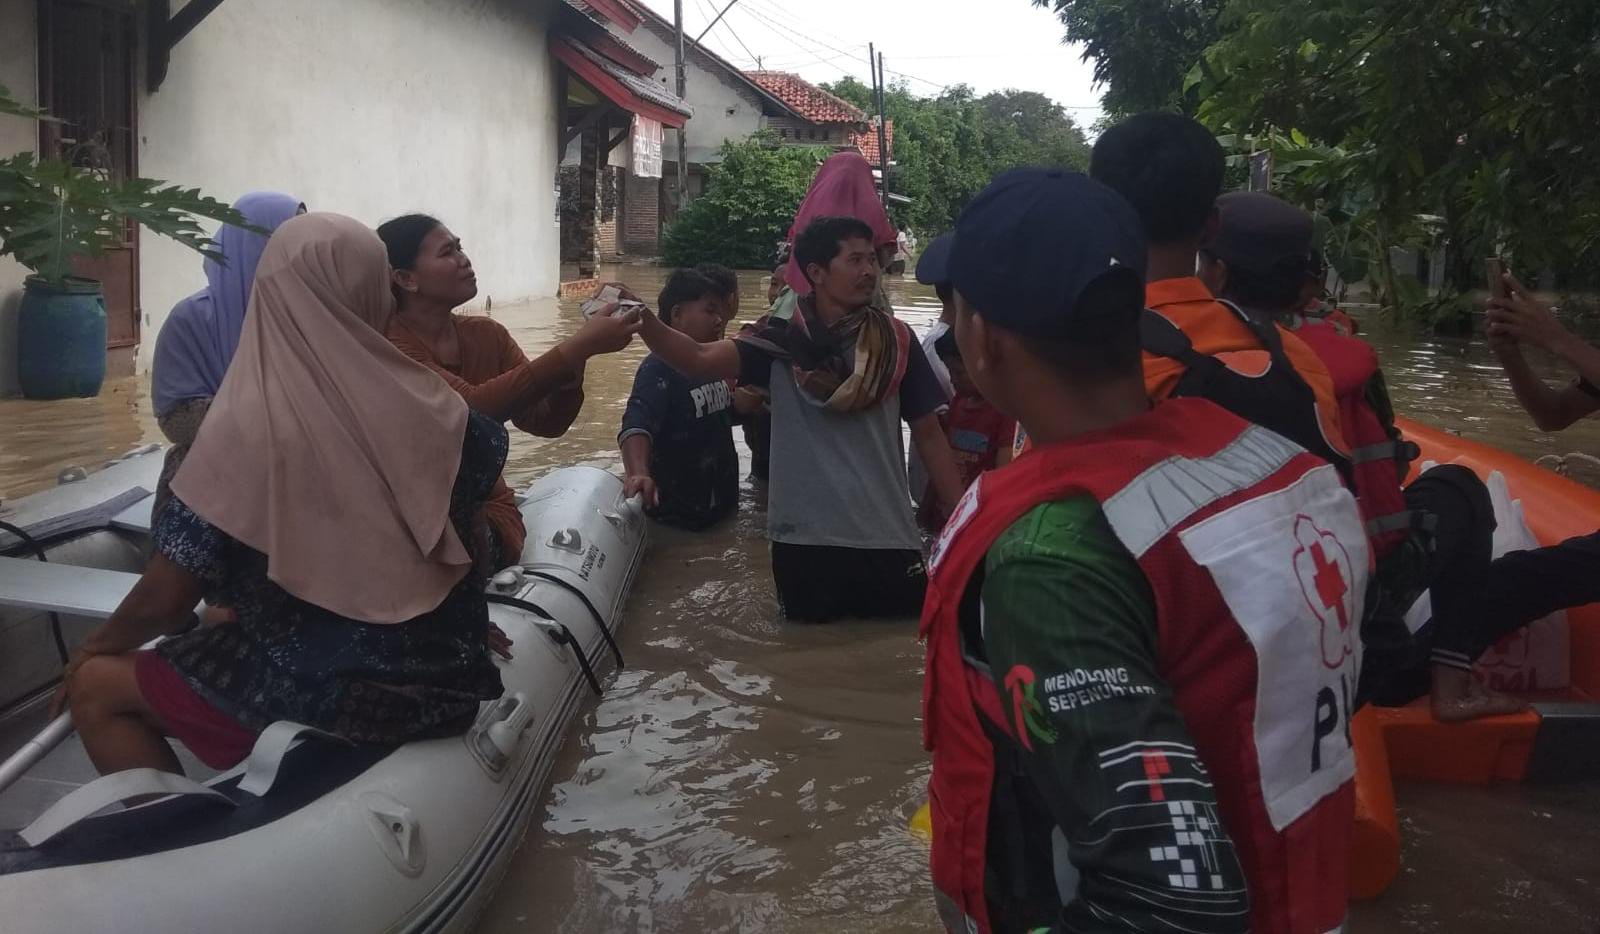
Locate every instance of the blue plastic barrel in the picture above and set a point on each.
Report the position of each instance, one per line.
(61, 338)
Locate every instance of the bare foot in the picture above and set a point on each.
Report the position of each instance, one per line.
(1458, 696)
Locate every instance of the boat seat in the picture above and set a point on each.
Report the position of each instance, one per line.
(63, 588)
(140, 517)
(99, 513)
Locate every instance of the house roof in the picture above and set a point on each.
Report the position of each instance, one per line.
(592, 28)
(868, 142)
(634, 93)
(659, 22)
(809, 101)
(624, 14)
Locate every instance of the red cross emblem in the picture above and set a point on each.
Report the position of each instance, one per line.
(1323, 568)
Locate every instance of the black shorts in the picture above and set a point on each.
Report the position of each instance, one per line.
(820, 583)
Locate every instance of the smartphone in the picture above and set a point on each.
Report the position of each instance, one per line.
(1495, 269)
(611, 295)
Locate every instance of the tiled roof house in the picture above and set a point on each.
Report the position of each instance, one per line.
(825, 119)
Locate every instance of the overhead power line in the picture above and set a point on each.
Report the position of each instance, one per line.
(795, 24)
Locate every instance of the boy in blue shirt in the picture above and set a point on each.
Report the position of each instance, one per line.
(677, 434)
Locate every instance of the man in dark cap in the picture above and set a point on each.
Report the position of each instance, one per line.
(1435, 534)
(1170, 169)
(1142, 636)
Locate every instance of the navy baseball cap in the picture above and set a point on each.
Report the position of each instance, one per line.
(1028, 246)
(1263, 234)
(933, 266)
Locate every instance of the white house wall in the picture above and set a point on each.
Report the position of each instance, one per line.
(371, 108)
(19, 71)
(723, 107)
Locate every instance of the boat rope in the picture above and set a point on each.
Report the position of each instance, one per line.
(32, 544)
(599, 620)
(561, 635)
(1561, 463)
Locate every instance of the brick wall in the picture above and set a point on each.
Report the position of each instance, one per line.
(791, 131)
(641, 215)
(610, 199)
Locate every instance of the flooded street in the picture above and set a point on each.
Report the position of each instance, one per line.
(745, 774)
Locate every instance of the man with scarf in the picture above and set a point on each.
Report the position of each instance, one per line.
(843, 374)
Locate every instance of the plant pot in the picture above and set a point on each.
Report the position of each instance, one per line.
(61, 338)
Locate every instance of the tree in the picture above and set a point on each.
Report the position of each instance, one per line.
(948, 147)
(1142, 49)
(1386, 114)
(750, 201)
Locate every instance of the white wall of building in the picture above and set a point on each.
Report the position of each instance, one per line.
(724, 108)
(19, 71)
(371, 108)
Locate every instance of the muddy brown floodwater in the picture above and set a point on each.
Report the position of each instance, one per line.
(744, 774)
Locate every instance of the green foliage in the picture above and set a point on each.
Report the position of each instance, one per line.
(52, 210)
(1142, 49)
(1418, 124)
(750, 201)
(947, 148)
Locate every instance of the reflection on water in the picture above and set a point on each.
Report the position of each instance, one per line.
(39, 440)
(745, 774)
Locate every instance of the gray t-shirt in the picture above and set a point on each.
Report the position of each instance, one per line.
(839, 478)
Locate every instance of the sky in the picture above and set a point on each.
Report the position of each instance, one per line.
(929, 44)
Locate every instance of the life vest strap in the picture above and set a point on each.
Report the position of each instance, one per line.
(1403, 451)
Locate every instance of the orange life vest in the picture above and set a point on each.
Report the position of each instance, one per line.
(1378, 452)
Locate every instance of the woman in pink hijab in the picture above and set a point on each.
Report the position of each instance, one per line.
(329, 500)
(843, 188)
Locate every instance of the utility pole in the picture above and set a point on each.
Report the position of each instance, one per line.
(883, 134)
(872, 70)
(683, 144)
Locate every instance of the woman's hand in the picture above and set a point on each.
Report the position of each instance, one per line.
(499, 642)
(622, 290)
(606, 332)
(98, 642)
(1519, 319)
(58, 701)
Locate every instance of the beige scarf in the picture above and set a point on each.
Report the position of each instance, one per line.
(326, 448)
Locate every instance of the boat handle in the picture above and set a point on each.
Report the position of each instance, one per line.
(599, 620)
(495, 741)
(112, 789)
(266, 756)
(558, 631)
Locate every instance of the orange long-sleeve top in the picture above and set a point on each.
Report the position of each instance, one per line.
(540, 396)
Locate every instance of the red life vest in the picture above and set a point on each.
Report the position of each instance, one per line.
(1256, 557)
(1379, 455)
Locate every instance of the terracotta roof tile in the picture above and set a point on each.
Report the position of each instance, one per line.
(868, 142)
(805, 98)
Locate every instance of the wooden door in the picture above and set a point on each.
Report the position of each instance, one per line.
(87, 81)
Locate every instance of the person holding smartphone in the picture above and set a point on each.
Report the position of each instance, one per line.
(843, 375)
(1516, 320)
(431, 276)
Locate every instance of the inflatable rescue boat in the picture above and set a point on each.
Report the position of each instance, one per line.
(308, 833)
(1554, 664)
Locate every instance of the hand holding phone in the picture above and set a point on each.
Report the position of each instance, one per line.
(608, 296)
(1495, 270)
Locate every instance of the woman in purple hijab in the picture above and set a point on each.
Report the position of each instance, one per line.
(199, 337)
